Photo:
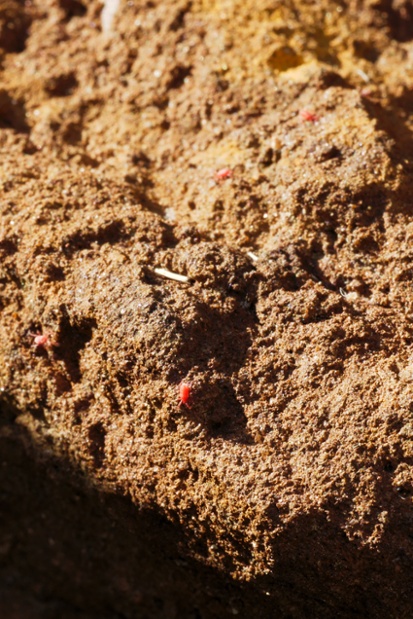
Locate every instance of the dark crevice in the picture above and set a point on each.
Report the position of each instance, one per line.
(12, 113)
(73, 335)
(15, 21)
(112, 233)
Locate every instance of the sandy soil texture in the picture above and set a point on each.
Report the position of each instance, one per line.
(215, 194)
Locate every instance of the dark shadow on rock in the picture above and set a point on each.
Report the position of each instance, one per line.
(9, 408)
(73, 550)
(73, 335)
(215, 406)
(393, 121)
(335, 574)
(62, 84)
(69, 550)
(399, 16)
(15, 21)
(112, 233)
(12, 113)
(73, 8)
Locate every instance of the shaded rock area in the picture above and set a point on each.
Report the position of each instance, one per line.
(283, 487)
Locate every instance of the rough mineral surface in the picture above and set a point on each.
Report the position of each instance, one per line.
(283, 487)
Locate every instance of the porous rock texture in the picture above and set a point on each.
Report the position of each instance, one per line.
(283, 488)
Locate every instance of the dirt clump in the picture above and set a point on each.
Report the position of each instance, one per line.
(283, 487)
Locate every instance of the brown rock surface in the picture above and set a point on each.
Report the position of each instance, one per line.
(284, 488)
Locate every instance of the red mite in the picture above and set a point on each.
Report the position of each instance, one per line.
(223, 174)
(184, 394)
(310, 116)
(42, 340)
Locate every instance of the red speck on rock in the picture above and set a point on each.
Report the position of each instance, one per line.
(184, 394)
(223, 174)
(308, 116)
(42, 340)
